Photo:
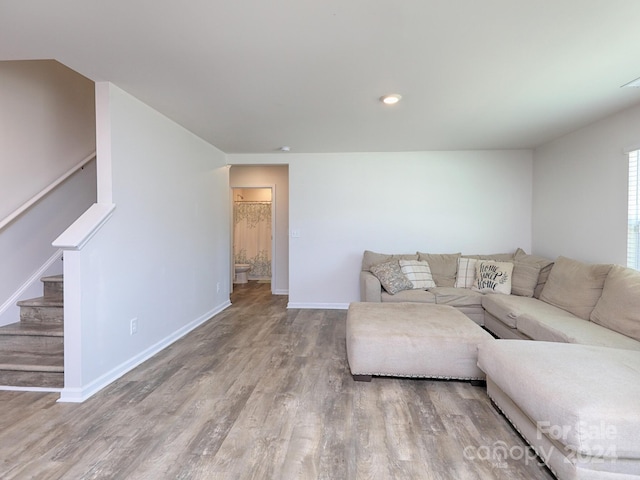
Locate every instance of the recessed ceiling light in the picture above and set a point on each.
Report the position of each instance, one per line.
(390, 99)
(285, 148)
(632, 83)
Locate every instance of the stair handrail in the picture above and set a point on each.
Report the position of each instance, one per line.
(33, 200)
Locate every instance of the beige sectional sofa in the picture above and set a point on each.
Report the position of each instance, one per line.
(528, 278)
(566, 369)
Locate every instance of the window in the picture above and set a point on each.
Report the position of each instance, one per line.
(633, 235)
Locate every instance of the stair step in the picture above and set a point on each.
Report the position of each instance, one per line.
(41, 310)
(35, 339)
(28, 370)
(26, 362)
(32, 350)
(53, 286)
(43, 329)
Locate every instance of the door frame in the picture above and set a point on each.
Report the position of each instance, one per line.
(272, 187)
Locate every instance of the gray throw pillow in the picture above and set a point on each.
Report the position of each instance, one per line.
(391, 277)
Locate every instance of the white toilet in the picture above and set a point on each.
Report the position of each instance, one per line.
(241, 270)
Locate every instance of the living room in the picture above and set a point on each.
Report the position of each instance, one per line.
(169, 234)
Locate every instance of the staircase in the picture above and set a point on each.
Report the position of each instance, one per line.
(32, 350)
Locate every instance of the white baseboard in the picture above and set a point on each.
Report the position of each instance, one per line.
(79, 395)
(30, 389)
(320, 306)
(281, 292)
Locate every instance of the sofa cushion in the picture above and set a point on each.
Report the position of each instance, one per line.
(508, 308)
(466, 273)
(413, 296)
(497, 257)
(418, 273)
(619, 306)
(588, 395)
(456, 297)
(566, 328)
(443, 267)
(575, 286)
(391, 277)
(493, 277)
(526, 272)
(370, 258)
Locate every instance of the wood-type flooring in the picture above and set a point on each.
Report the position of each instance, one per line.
(262, 392)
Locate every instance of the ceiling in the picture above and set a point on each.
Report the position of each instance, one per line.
(250, 76)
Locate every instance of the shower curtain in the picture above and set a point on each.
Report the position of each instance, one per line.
(252, 237)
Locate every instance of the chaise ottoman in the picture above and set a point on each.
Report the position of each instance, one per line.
(412, 340)
(578, 406)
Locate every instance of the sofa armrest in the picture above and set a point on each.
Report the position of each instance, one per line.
(370, 288)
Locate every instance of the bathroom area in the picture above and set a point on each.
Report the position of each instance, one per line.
(252, 234)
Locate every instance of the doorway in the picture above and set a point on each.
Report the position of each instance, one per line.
(253, 225)
(275, 178)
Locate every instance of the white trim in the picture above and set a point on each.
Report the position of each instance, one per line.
(281, 292)
(29, 389)
(320, 306)
(41, 272)
(79, 395)
(84, 228)
(274, 240)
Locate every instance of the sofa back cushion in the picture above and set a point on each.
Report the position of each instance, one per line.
(369, 259)
(575, 286)
(443, 267)
(619, 306)
(526, 273)
(497, 257)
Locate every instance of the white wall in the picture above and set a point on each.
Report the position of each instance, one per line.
(25, 244)
(580, 191)
(161, 255)
(47, 125)
(343, 204)
(277, 175)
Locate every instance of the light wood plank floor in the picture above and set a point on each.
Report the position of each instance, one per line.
(261, 392)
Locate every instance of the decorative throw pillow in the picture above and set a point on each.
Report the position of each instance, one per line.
(493, 277)
(466, 272)
(418, 273)
(526, 273)
(391, 277)
(370, 258)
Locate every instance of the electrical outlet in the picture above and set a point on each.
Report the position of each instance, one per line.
(133, 327)
(218, 287)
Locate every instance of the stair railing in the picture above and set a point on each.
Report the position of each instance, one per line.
(33, 200)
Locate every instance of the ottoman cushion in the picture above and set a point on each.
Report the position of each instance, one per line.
(583, 397)
(413, 340)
